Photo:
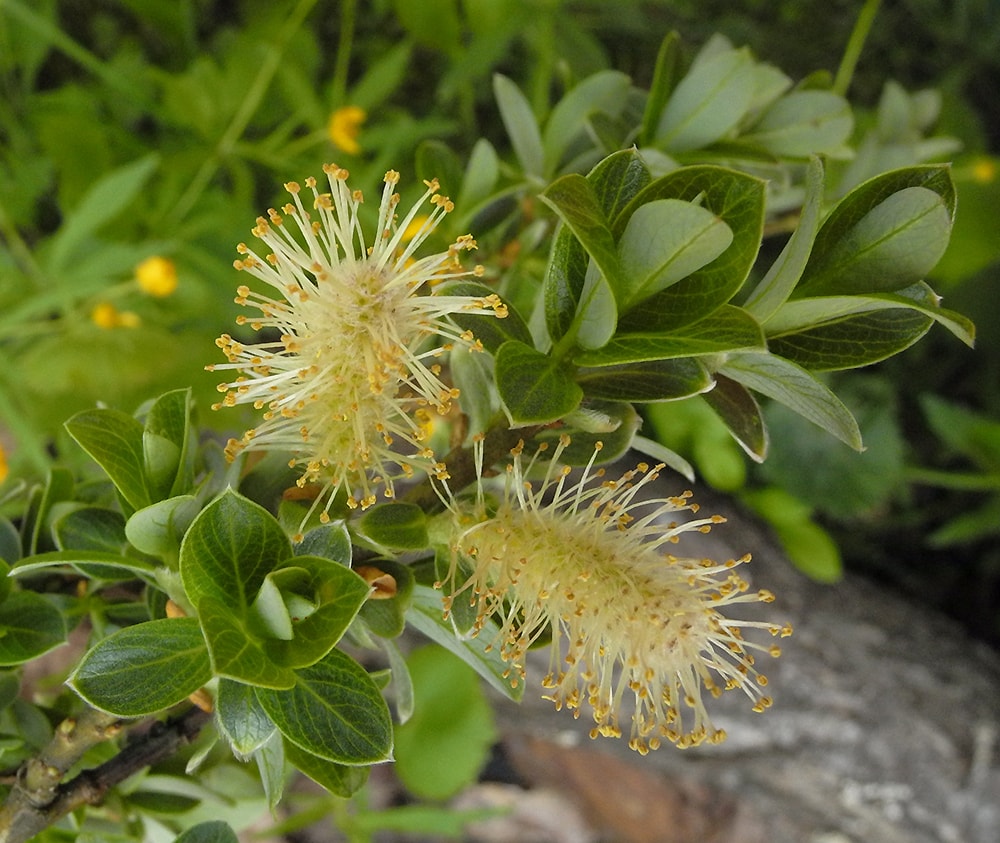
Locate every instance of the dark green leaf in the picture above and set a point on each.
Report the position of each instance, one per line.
(341, 780)
(801, 314)
(573, 198)
(740, 412)
(115, 441)
(337, 593)
(617, 179)
(213, 831)
(236, 651)
(145, 668)
(728, 329)
(87, 561)
(854, 341)
(534, 387)
(397, 526)
(797, 389)
(91, 528)
(334, 711)
(229, 549)
(649, 380)
(10, 541)
(30, 625)
(563, 283)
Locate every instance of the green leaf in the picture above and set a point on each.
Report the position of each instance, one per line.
(617, 180)
(562, 286)
(158, 529)
(398, 526)
(106, 198)
(521, 125)
(649, 380)
(115, 442)
(872, 226)
(664, 241)
(91, 528)
(38, 521)
(797, 389)
(810, 548)
(229, 549)
(480, 177)
(739, 411)
(665, 76)
(10, 541)
(270, 758)
(145, 668)
(331, 541)
(30, 625)
(852, 342)
(334, 711)
(341, 780)
(236, 651)
(709, 101)
(213, 831)
(427, 616)
(169, 419)
(88, 562)
(241, 719)
(893, 246)
(452, 719)
(803, 123)
(337, 593)
(572, 197)
(801, 314)
(605, 91)
(489, 330)
(728, 329)
(735, 198)
(777, 285)
(534, 387)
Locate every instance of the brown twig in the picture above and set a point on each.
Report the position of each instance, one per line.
(39, 797)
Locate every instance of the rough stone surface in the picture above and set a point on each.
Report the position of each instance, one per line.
(885, 728)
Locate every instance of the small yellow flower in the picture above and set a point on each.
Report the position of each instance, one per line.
(348, 374)
(583, 562)
(345, 126)
(106, 315)
(157, 276)
(984, 170)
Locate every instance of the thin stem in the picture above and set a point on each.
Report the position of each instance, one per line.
(240, 120)
(862, 26)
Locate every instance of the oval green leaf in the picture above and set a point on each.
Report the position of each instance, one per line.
(145, 668)
(533, 387)
(334, 711)
(30, 625)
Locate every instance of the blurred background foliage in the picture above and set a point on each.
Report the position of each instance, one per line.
(139, 129)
